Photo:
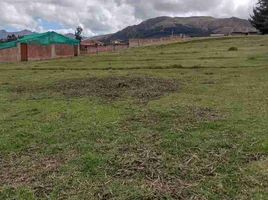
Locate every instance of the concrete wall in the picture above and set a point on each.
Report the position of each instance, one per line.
(99, 49)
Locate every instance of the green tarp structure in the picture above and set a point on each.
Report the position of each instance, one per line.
(47, 38)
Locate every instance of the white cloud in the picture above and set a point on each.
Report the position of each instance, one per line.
(105, 16)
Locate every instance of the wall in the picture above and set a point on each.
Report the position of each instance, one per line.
(63, 51)
(38, 52)
(10, 55)
(155, 41)
(99, 49)
(121, 47)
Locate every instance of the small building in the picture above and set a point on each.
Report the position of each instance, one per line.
(237, 33)
(88, 44)
(90, 47)
(39, 46)
(117, 42)
(217, 35)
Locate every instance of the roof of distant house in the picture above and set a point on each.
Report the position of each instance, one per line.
(89, 42)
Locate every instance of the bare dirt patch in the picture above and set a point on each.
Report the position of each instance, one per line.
(139, 161)
(204, 114)
(175, 119)
(149, 164)
(31, 169)
(112, 88)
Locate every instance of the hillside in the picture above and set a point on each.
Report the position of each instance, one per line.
(4, 33)
(191, 26)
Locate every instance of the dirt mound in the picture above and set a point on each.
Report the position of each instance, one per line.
(111, 88)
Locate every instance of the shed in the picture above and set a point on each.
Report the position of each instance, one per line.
(89, 42)
(39, 46)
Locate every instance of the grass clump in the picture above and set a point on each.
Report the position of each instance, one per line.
(233, 49)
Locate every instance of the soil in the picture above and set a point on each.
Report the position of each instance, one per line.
(28, 168)
(111, 88)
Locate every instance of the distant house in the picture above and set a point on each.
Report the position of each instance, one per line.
(217, 35)
(117, 42)
(39, 46)
(244, 33)
(88, 43)
(90, 47)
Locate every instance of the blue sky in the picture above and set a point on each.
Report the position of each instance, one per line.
(49, 24)
(107, 16)
(46, 25)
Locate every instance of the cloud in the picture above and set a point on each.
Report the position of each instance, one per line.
(106, 16)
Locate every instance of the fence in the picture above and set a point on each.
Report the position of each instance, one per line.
(91, 49)
(155, 41)
(84, 50)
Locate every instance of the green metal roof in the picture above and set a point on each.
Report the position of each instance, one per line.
(47, 38)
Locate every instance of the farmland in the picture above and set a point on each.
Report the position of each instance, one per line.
(178, 121)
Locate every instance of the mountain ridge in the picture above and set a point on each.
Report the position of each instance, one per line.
(4, 33)
(195, 26)
(164, 26)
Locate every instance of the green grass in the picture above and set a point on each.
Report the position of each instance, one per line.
(207, 139)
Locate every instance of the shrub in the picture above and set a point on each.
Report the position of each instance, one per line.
(233, 49)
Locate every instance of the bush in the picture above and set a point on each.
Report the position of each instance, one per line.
(233, 49)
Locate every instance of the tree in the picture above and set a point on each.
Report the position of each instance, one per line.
(259, 19)
(78, 33)
(11, 38)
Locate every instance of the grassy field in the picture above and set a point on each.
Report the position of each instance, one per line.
(181, 121)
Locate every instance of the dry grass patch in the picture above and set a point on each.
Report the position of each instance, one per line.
(31, 169)
(164, 175)
(148, 164)
(174, 119)
(112, 88)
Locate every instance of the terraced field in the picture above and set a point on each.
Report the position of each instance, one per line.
(181, 121)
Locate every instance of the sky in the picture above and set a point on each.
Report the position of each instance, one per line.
(107, 16)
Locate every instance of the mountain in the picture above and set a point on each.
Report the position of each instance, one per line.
(4, 33)
(101, 37)
(70, 35)
(191, 26)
